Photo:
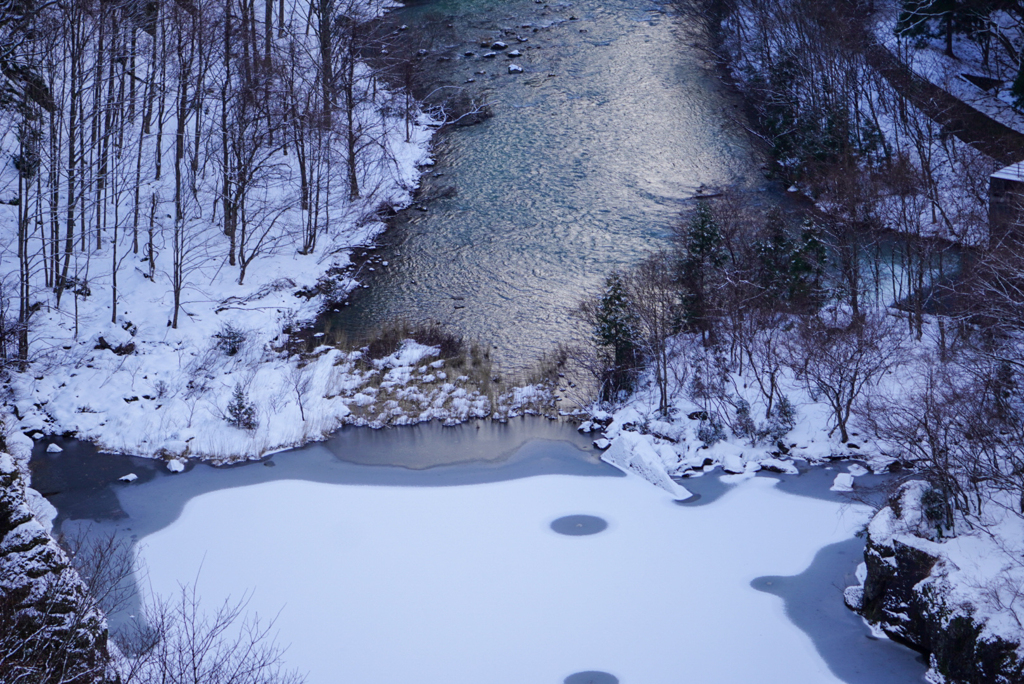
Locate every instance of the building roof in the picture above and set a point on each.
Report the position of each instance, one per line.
(1013, 172)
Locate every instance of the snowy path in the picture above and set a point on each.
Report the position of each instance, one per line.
(468, 584)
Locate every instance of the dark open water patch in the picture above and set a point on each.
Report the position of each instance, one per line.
(814, 603)
(591, 677)
(83, 484)
(579, 525)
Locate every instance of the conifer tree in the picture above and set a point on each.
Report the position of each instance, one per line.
(703, 254)
(615, 329)
(241, 413)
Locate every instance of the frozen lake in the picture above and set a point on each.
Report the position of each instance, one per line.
(453, 573)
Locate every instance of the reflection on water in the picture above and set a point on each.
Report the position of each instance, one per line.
(584, 168)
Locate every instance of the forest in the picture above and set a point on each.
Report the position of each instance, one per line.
(185, 141)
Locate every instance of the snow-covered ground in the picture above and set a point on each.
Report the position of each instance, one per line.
(657, 447)
(468, 584)
(927, 58)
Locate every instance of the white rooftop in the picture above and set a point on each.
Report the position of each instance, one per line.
(1013, 172)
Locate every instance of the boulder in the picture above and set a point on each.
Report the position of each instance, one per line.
(842, 483)
(907, 595)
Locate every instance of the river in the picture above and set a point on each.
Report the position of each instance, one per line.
(585, 167)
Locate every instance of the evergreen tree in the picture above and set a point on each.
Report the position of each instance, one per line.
(241, 413)
(616, 330)
(774, 252)
(703, 254)
(807, 269)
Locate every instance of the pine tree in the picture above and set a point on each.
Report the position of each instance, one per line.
(704, 253)
(241, 413)
(616, 329)
(807, 269)
(774, 251)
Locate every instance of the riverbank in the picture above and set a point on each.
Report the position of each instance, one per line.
(850, 128)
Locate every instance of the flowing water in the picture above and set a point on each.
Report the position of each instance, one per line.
(585, 167)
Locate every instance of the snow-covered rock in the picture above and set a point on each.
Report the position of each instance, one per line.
(842, 483)
(951, 597)
(633, 453)
(515, 69)
(779, 466)
(602, 443)
(19, 445)
(53, 449)
(130, 477)
(175, 466)
(42, 510)
(733, 464)
(45, 597)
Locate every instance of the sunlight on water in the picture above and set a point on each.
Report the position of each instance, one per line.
(577, 174)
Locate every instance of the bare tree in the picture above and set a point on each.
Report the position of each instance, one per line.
(837, 363)
(654, 295)
(179, 642)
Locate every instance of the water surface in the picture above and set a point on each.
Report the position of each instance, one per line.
(585, 168)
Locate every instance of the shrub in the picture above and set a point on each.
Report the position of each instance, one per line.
(230, 339)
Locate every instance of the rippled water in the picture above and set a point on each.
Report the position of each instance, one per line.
(586, 165)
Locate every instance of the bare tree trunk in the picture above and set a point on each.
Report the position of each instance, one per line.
(73, 116)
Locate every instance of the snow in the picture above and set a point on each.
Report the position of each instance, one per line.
(926, 57)
(1013, 172)
(129, 382)
(43, 511)
(175, 466)
(843, 483)
(468, 584)
(633, 453)
(53, 449)
(857, 470)
(977, 572)
(130, 477)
